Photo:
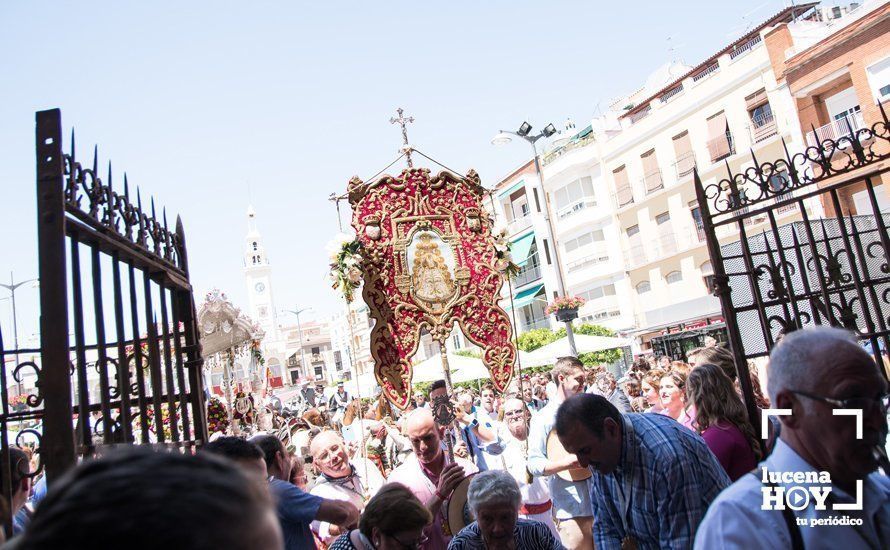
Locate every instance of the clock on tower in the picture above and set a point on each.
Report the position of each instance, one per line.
(258, 276)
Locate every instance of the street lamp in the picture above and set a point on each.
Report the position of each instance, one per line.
(11, 287)
(297, 313)
(505, 136)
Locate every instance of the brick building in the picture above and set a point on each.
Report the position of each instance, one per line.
(837, 72)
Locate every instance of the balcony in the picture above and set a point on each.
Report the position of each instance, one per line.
(706, 72)
(568, 147)
(763, 127)
(519, 224)
(528, 274)
(746, 47)
(721, 147)
(836, 129)
(667, 244)
(652, 182)
(624, 195)
(685, 164)
(587, 261)
(532, 324)
(575, 207)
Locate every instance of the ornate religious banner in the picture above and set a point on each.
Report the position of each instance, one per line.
(429, 262)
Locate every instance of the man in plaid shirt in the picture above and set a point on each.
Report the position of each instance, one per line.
(653, 479)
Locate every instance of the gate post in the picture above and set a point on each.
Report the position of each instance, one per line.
(57, 441)
(722, 290)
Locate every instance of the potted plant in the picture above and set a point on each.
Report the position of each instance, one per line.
(565, 308)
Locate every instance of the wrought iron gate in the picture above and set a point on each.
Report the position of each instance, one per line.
(117, 277)
(816, 259)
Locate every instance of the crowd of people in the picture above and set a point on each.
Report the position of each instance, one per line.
(664, 457)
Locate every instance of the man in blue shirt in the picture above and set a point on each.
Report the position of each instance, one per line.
(653, 479)
(295, 508)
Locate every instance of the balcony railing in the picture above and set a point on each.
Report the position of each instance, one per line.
(746, 47)
(527, 275)
(576, 206)
(836, 129)
(706, 72)
(685, 164)
(763, 127)
(721, 147)
(519, 224)
(667, 244)
(665, 97)
(624, 195)
(570, 146)
(533, 324)
(587, 261)
(653, 182)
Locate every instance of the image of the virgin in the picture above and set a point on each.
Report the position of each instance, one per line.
(431, 268)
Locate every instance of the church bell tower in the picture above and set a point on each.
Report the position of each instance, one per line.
(258, 275)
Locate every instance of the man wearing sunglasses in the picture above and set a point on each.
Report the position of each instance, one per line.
(816, 373)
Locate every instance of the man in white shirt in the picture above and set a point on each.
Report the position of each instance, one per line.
(487, 401)
(354, 481)
(571, 499)
(536, 503)
(816, 373)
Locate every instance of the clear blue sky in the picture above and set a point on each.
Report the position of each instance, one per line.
(199, 101)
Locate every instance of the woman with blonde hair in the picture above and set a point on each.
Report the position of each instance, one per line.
(394, 519)
(722, 420)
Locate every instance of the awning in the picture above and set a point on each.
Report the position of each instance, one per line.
(512, 189)
(520, 249)
(524, 298)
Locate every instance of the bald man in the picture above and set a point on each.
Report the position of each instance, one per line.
(815, 373)
(427, 474)
(340, 478)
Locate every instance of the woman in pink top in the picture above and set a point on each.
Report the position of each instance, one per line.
(722, 420)
(673, 398)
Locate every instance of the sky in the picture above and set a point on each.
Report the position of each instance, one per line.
(211, 106)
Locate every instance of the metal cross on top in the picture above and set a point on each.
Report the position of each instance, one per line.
(403, 122)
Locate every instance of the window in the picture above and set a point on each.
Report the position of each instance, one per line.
(623, 190)
(706, 268)
(719, 138)
(879, 78)
(524, 209)
(583, 240)
(598, 292)
(633, 230)
(685, 162)
(455, 339)
(574, 194)
(673, 277)
(643, 287)
(254, 245)
(697, 221)
(663, 218)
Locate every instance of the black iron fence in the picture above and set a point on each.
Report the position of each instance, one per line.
(116, 276)
(826, 263)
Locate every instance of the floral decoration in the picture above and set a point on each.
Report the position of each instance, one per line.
(502, 246)
(217, 416)
(346, 265)
(565, 302)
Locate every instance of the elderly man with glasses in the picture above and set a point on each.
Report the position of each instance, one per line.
(837, 400)
(494, 500)
(536, 503)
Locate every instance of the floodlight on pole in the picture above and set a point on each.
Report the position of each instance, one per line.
(504, 137)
